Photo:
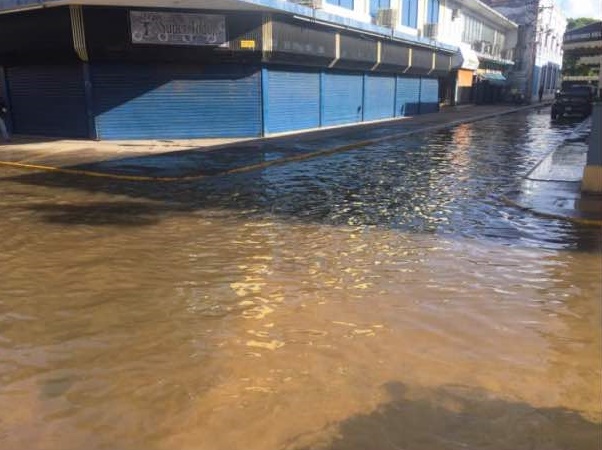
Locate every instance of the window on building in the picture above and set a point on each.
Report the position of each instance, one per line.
(482, 38)
(342, 3)
(432, 11)
(409, 13)
(375, 5)
(472, 30)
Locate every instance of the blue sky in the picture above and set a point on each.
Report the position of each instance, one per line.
(581, 8)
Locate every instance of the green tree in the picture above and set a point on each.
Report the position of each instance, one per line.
(570, 67)
(570, 64)
(579, 22)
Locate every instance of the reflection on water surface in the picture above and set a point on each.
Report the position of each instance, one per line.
(382, 298)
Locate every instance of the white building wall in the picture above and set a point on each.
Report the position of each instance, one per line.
(360, 11)
(551, 25)
(450, 27)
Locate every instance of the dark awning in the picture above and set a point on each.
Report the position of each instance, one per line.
(493, 78)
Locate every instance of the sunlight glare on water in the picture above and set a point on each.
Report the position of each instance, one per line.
(376, 299)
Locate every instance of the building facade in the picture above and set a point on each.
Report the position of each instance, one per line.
(486, 41)
(137, 69)
(585, 45)
(538, 56)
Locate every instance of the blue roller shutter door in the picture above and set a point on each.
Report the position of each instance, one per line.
(291, 100)
(429, 95)
(407, 96)
(342, 98)
(48, 101)
(379, 97)
(174, 102)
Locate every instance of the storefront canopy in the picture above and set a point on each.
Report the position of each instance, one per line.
(493, 77)
(466, 59)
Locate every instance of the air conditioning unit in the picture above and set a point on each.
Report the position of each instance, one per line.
(455, 13)
(387, 18)
(431, 30)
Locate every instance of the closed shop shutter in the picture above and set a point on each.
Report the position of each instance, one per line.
(176, 102)
(48, 100)
(429, 95)
(379, 97)
(342, 98)
(407, 96)
(291, 100)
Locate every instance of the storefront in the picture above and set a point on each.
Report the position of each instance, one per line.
(192, 74)
(465, 66)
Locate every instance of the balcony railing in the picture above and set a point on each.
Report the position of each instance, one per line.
(492, 50)
(431, 30)
(316, 4)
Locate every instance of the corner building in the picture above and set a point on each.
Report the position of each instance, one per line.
(142, 69)
(233, 68)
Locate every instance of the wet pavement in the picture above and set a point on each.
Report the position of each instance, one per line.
(166, 161)
(382, 297)
(553, 187)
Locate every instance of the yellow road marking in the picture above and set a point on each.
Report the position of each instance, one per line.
(578, 220)
(249, 168)
(258, 166)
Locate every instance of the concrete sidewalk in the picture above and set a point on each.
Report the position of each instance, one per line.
(553, 188)
(181, 159)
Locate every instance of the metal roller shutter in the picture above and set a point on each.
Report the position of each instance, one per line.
(379, 97)
(174, 102)
(407, 96)
(429, 95)
(48, 100)
(291, 100)
(342, 98)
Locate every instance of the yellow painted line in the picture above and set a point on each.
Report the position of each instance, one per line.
(88, 173)
(262, 165)
(249, 168)
(577, 220)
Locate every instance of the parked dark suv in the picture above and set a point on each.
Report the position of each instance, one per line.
(574, 101)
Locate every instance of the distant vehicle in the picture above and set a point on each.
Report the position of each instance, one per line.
(574, 101)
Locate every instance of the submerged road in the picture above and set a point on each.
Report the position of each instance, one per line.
(376, 298)
(182, 160)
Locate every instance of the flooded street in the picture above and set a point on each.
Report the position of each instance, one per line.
(382, 298)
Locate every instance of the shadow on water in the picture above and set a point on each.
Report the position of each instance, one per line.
(448, 182)
(122, 213)
(455, 418)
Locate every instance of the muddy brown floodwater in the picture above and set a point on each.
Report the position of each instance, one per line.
(384, 298)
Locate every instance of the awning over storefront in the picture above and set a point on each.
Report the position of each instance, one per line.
(494, 78)
(466, 59)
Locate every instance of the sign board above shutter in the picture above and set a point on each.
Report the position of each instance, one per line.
(170, 28)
